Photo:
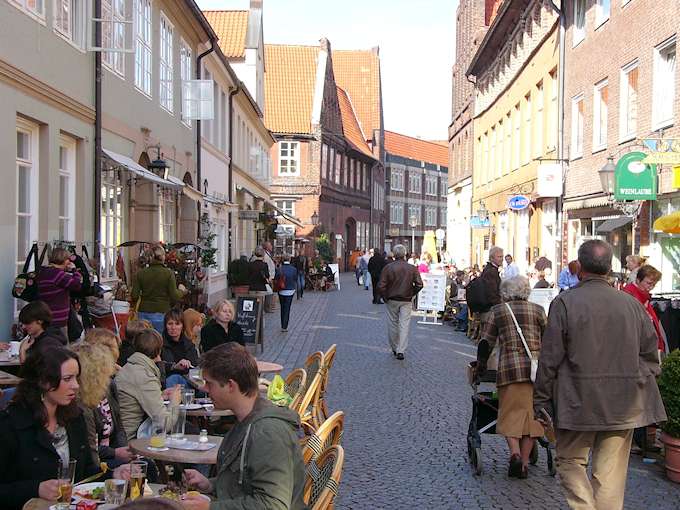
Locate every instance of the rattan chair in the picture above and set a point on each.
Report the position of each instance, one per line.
(328, 358)
(308, 405)
(323, 478)
(295, 385)
(329, 434)
(313, 365)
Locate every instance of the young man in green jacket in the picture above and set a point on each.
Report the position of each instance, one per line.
(259, 464)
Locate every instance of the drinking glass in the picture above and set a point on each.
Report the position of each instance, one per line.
(188, 397)
(196, 376)
(115, 491)
(137, 478)
(65, 476)
(158, 433)
(178, 417)
(209, 408)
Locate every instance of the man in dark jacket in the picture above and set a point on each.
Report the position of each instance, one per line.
(399, 283)
(492, 279)
(300, 263)
(258, 272)
(259, 463)
(375, 266)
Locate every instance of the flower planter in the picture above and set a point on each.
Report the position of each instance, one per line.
(672, 449)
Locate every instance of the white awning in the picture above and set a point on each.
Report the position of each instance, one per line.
(283, 213)
(137, 169)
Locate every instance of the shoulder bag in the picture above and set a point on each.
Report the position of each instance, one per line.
(26, 284)
(534, 361)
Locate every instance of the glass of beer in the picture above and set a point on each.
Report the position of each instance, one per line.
(65, 476)
(196, 376)
(137, 478)
(158, 433)
(115, 491)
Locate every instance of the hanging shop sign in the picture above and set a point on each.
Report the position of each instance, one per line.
(663, 151)
(248, 215)
(676, 177)
(635, 179)
(549, 177)
(285, 231)
(477, 222)
(518, 202)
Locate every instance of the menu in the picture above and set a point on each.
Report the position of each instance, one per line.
(248, 316)
(433, 295)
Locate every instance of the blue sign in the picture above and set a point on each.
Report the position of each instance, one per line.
(518, 202)
(477, 222)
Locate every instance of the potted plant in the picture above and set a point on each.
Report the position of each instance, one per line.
(238, 276)
(669, 386)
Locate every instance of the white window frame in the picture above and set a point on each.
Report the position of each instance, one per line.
(602, 11)
(415, 183)
(577, 123)
(185, 71)
(552, 117)
(324, 161)
(628, 119)
(430, 216)
(220, 229)
(538, 123)
(579, 32)
(143, 23)
(292, 157)
(111, 230)
(113, 35)
(69, 21)
(415, 210)
(517, 136)
(167, 216)
(431, 185)
(527, 133)
(396, 178)
(67, 171)
(663, 97)
(397, 212)
(37, 11)
(166, 63)
(600, 115)
(287, 205)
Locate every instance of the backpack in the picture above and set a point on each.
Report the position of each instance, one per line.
(26, 283)
(477, 296)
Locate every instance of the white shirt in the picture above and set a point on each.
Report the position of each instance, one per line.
(511, 270)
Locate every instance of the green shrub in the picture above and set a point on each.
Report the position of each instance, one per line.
(669, 386)
(238, 272)
(323, 244)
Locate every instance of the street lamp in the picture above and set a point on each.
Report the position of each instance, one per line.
(158, 166)
(315, 218)
(482, 212)
(607, 176)
(413, 222)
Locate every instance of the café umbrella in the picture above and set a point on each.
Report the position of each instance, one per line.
(669, 224)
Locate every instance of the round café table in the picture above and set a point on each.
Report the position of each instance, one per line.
(267, 367)
(8, 379)
(204, 413)
(140, 447)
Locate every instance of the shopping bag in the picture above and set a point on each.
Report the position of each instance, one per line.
(361, 279)
(277, 392)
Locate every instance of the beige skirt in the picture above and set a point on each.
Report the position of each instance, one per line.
(516, 411)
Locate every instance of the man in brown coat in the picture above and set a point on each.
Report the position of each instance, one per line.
(597, 380)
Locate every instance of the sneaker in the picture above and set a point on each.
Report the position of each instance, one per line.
(284, 330)
(400, 355)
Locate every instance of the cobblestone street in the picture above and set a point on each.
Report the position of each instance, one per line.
(406, 421)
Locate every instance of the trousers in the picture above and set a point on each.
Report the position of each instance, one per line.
(398, 320)
(300, 284)
(610, 454)
(286, 302)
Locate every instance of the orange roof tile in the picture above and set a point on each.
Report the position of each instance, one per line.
(414, 148)
(358, 72)
(231, 28)
(350, 124)
(289, 83)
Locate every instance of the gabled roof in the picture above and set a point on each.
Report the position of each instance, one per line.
(231, 28)
(416, 149)
(358, 73)
(289, 87)
(350, 125)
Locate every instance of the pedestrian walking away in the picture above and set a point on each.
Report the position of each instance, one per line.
(375, 267)
(597, 381)
(287, 275)
(363, 267)
(300, 263)
(399, 283)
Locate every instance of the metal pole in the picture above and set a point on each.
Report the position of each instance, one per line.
(97, 133)
(413, 239)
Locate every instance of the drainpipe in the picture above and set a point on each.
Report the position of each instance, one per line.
(230, 178)
(97, 132)
(199, 182)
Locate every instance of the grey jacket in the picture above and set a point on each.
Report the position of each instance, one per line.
(259, 464)
(599, 361)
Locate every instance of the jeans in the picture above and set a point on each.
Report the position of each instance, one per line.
(367, 278)
(300, 285)
(7, 395)
(173, 380)
(462, 316)
(156, 319)
(286, 302)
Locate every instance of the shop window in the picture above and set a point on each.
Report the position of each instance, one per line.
(111, 229)
(663, 99)
(168, 211)
(67, 191)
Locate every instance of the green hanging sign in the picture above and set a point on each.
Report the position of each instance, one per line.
(635, 180)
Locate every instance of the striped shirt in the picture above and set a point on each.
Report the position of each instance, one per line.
(54, 287)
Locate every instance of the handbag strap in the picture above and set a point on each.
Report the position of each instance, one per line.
(33, 252)
(519, 331)
(40, 261)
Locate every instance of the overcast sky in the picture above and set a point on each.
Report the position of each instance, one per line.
(416, 40)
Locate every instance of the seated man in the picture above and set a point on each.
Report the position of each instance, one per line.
(259, 463)
(328, 277)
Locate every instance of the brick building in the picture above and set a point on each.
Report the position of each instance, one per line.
(416, 178)
(322, 165)
(620, 88)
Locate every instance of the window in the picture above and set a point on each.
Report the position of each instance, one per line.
(69, 20)
(324, 161)
(397, 180)
(111, 230)
(431, 185)
(287, 206)
(221, 245)
(492, 154)
(331, 164)
(517, 138)
(443, 185)
(414, 212)
(485, 158)
(430, 216)
(507, 148)
(184, 71)
(32, 7)
(166, 64)
(143, 46)
(396, 212)
(526, 135)
(664, 84)
(538, 125)
(338, 167)
(628, 109)
(500, 138)
(552, 117)
(67, 188)
(579, 31)
(602, 10)
(600, 101)
(289, 158)
(167, 210)
(414, 183)
(577, 127)
(113, 35)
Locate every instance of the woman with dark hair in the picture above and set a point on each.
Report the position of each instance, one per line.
(55, 284)
(36, 319)
(179, 353)
(43, 428)
(646, 278)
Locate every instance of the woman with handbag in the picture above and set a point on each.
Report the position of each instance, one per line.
(258, 272)
(516, 326)
(285, 283)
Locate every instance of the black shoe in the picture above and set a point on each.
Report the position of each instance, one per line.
(524, 474)
(515, 468)
(394, 353)
(400, 355)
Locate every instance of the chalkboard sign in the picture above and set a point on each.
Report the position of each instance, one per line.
(249, 317)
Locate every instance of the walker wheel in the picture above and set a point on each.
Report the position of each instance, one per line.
(551, 465)
(476, 461)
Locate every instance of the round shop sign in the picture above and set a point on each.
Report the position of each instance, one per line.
(518, 202)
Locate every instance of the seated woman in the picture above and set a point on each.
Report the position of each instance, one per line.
(127, 346)
(42, 428)
(139, 384)
(36, 318)
(222, 328)
(193, 323)
(179, 353)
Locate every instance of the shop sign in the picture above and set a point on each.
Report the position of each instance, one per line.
(676, 176)
(663, 151)
(549, 178)
(285, 231)
(635, 179)
(394, 231)
(249, 215)
(477, 222)
(518, 202)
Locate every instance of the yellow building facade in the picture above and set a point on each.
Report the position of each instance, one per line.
(515, 128)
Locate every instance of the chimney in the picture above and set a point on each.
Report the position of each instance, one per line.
(325, 44)
(256, 4)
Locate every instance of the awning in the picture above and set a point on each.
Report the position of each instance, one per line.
(613, 224)
(284, 214)
(137, 169)
(585, 203)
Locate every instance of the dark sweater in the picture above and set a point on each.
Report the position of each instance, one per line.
(177, 351)
(213, 334)
(51, 337)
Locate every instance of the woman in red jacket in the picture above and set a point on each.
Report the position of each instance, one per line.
(641, 289)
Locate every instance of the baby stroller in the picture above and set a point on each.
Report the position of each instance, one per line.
(484, 418)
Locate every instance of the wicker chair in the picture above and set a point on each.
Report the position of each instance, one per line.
(308, 405)
(323, 478)
(313, 365)
(328, 359)
(329, 434)
(295, 385)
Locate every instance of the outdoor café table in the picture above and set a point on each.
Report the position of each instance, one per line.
(140, 447)
(204, 413)
(264, 367)
(8, 379)
(43, 504)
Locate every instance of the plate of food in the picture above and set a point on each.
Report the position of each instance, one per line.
(90, 491)
(193, 407)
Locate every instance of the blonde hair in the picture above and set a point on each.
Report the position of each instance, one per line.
(105, 337)
(227, 303)
(637, 259)
(157, 253)
(96, 368)
(192, 318)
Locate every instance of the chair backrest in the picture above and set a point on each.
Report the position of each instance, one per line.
(323, 478)
(312, 365)
(329, 434)
(310, 398)
(295, 384)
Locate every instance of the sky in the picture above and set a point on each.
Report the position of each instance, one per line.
(416, 40)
